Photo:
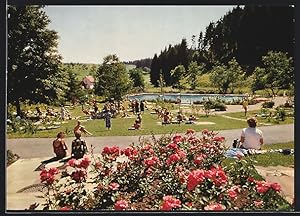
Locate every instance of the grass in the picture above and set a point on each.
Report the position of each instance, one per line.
(149, 125)
(260, 120)
(271, 159)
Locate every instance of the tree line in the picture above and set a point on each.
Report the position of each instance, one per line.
(244, 34)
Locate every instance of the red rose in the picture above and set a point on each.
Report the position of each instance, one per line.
(121, 205)
(79, 175)
(65, 208)
(250, 179)
(198, 160)
(215, 207)
(262, 187)
(130, 152)
(172, 146)
(177, 139)
(219, 139)
(258, 203)
(232, 194)
(172, 158)
(169, 203)
(217, 175)
(114, 186)
(151, 161)
(48, 176)
(194, 178)
(275, 186)
(84, 163)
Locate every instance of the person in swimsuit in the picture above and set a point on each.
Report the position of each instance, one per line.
(59, 146)
(81, 128)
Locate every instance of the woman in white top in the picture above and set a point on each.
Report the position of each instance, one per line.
(252, 137)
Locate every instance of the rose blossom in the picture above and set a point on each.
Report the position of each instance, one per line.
(114, 186)
(84, 162)
(177, 139)
(262, 186)
(121, 205)
(172, 158)
(65, 208)
(219, 139)
(114, 150)
(172, 146)
(48, 175)
(169, 202)
(215, 207)
(79, 175)
(258, 203)
(151, 161)
(275, 186)
(194, 178)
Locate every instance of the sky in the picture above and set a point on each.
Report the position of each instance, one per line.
(89, 33)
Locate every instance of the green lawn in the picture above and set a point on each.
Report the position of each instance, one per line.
(260, 120)
(150, 124)
(271, 159)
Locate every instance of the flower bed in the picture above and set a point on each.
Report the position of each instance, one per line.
(171, 173)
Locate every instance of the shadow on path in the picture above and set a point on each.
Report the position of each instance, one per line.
(53, 159)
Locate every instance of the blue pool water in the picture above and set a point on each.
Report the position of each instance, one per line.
(186, 98)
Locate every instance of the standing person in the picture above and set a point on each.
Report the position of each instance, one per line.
(142, 106)
(252, 137)
(62, 112)
(107, 118)
(245, 106)
(59, 146)
(81, 128)
(137, 107)
(79, 147)
(95, 107)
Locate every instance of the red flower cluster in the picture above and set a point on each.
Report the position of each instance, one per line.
(114, 186)
(195, 178)
(199, 158)
(114, 150)
(217, 175)
(130, 152)
(121, 205)
(48, 175)
(80, 163)
(169, 203)
(219, 139)
(258, 203)
(79, 175)
(233, 192)
(263, 187)
(215, 207)
(65, 208)
(172, 146)
(180, 154)
(177, 139)
(151, 161)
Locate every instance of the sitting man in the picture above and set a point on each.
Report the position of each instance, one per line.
(252, 137)
(79, 147)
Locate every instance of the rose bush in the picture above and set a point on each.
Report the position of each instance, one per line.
(171, 173)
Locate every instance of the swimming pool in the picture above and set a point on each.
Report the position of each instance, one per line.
(186, 98)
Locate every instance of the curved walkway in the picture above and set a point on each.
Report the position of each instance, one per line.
(42, 147)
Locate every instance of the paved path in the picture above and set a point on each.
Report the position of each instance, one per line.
(42, 147)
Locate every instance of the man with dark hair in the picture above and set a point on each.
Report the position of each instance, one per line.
(79, 147)
(252, 137)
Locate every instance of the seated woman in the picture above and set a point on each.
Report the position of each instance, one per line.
(251, 137)
(166, 118)
(59, 146)
(180, 117)
(137, 124)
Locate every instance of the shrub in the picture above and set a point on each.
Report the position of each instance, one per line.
(11, 157)
(169, 173)
(268, 104)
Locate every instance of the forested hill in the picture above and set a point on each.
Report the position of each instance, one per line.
(141, 63)
(245, 34)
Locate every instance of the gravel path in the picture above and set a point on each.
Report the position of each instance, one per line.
(42, 147)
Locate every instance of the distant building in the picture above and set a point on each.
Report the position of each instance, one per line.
(88, 82)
